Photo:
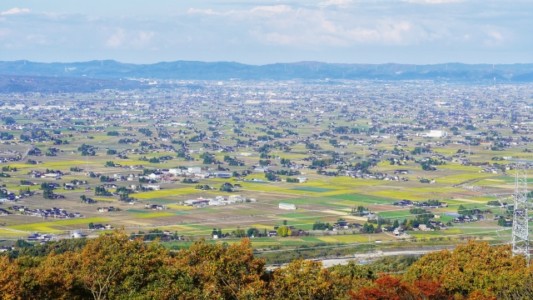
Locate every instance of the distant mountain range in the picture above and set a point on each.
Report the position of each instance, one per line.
(109, 73)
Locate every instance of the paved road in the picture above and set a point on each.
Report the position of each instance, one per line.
(329, 262)
(361, 257)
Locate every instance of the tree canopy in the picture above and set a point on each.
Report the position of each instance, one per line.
(113, 266)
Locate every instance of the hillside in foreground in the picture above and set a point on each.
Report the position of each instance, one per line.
(114, 267)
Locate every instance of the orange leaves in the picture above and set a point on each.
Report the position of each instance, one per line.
(473, 267)
(112, 267)
(9, 279)
(302, 279)
(395, 288)
(222, 271)
(386, 287)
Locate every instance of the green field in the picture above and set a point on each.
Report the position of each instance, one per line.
(357, 144)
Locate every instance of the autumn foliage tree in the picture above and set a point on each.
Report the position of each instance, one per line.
(476, 269)
(114, 267)
(302, 279)
(222, 271)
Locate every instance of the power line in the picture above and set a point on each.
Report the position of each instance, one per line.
(520, 236)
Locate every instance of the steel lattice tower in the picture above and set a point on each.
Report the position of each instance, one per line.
(520, 214)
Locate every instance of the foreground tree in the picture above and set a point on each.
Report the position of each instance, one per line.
(476, 269)
(223, 271)
(9, 279)
(302, 279)
(112, 267)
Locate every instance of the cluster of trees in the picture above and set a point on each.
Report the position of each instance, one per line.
(429, 163)
(116, 267)
(233, 161)
(48, 191)
(101, 191)
(87, 150)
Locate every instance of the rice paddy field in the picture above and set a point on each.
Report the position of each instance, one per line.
(129, 146)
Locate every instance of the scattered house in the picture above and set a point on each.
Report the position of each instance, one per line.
(54, 212)
(341, 224)
(200, 202)
(403, 203)
(235, 199)
(222, 174)
(153, 176)
(272, 233)
(154, 206)
(302, 179)
(286, 206)
(216, 202)
(106, 209)
(176, 172)
(371, 217)
(152, 187)
(194, 170)
(88, 200)
(52, 175)
(424, 227)
(398, 231)
(401, 172)
(435, 134)
(99, 226)
(260, 169)
(77, 235)
(40, 237)
(69, 186)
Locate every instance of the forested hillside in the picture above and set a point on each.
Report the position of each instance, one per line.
(114, 267)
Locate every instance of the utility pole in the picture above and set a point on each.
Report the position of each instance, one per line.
(520, 237)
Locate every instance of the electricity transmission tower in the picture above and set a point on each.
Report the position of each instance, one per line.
(520, 214)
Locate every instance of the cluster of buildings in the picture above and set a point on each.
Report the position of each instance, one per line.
(54, 212)
(218, 201)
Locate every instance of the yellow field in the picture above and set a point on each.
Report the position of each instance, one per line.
(179, 207)
(354, 238)
(153, 215)
(62, 164)
(10, 233)
(460, 178)
(56, 226)
(167, 193)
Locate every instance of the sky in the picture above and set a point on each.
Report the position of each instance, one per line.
(261, 32)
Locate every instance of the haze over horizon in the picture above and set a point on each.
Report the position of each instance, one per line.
(263, 32)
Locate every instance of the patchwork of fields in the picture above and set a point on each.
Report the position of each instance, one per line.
(192, 166)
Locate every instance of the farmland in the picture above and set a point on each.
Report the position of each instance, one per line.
(354, 162)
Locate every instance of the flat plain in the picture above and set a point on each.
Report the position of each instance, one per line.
(196, 157)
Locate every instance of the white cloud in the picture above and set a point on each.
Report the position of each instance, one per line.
(117, 39)
(208, 12)
(123, 38)
(339, 3)
(14, 11)
(270, 30)
(386, 32)
(433, 1)
(271, 10)
(143, 38)
(319, 28)
(494, 38)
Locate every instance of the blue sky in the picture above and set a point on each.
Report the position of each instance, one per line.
(260, 32)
